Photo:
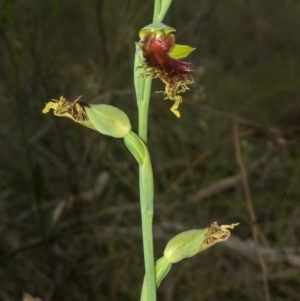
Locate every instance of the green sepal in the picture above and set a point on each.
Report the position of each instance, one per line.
(180, 51)
(139, 79)
(139, 55)
(157, 28)
(108, 120)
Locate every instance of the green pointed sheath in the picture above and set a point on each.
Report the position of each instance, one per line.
(162, 268)
(136, 147)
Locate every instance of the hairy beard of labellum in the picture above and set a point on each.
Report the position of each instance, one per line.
(175, 72)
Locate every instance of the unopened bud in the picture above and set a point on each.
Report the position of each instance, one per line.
(108, 120)
(189, 243)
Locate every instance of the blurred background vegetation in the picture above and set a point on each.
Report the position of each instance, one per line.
(69, 208)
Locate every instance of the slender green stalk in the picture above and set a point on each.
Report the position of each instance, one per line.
(143, 91)
(157, 7)
(146, 200)
(139, 150)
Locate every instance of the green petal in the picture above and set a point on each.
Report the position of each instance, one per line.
(158, 28)
(180, 51)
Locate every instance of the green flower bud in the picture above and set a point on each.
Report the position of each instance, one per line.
(189, 243)
(184, 245)
(108, 120)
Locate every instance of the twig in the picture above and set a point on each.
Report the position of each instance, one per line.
(226, 183)
(270, 255)
(164, 230)
(202, 156)
(251, 210)
(271, 133)
(87, 196)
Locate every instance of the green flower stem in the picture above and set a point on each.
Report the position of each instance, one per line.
(157, 7)
(146, 200)
(146, 183)
(143, 91)
(139, 150)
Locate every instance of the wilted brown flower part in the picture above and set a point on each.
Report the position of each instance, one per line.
(74, 109)
(63, 107)
(218, 233)
(174, 73)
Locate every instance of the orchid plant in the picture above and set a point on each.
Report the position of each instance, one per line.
(157, 56)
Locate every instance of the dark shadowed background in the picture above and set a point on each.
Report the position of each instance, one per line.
(69, 207)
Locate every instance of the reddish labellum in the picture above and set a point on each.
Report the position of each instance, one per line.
(156, 49)
(174, 73)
